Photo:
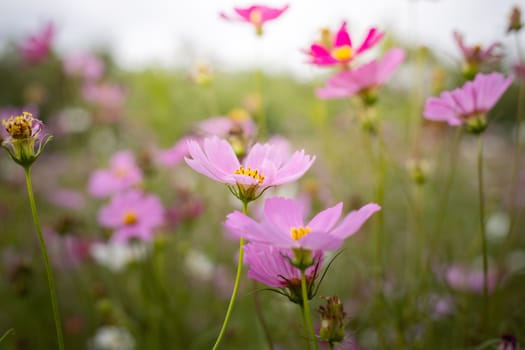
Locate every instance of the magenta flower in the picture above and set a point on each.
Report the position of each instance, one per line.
(470, 103)
(256, 15)
(475, 56)
(38, 46)
(262, 168)
(271, 266)
(364, 79)
(340, 49)
(283, 225)
(84, 65)
(121, 175)
(132, 214)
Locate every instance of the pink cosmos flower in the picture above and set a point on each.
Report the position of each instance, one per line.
(475, 55)
(173, 155)
(132, 214)
(256, 15)
(363, 79)
(237, 123)
(84, 65)
(468, 104)
(104, 94)
(263, 166)
(38, 46)
(121, 175)
(284, 226)
(340, 50)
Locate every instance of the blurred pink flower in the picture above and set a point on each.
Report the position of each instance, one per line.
(470, 280)
(271, 266)
(68, 199)
(173, 155)
(468, 103)
(226, 126)
(122, 174)
(38, 46)
(519, 71)
(340, 49)
(132, 214)
(67, 251)
(84, 65)
(476, 55)
(256, 15)
(284, 226)
(105, 94)
(263, 167)
(363, 79)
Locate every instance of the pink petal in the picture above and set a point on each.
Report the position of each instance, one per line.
(489, 89)
(371, 40)
(353, 221)
(342, 38)
(284, 213)
(325, 220)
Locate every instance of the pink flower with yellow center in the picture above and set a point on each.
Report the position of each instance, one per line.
(469, 103)
(339, 49)
(132, 214)
(256, 15)
(363, 80)
(283, 225)
(263, 167)
(122, 174)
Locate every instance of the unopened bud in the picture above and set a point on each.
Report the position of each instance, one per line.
(332, 320)
(515, 20)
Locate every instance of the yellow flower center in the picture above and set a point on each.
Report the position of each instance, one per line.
(238, 115)
(343, 53)
(256, 17)
(19, 127)
(299, 232)
(130, 218)
(253, 173)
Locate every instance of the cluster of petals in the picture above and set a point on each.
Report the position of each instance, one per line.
(476, 54)
(256, 15)
(132, 214)
(474, 98)
(285, 218)
(271, 265)
(264, 166)
(38, 46)
(367, 77)
(121, 175)
(340, 50)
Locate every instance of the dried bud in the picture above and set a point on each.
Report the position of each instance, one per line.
(332, 320)
(515, 20)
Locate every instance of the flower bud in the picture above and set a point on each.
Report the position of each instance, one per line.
(477, 123)
(332, 320)
(515, 20)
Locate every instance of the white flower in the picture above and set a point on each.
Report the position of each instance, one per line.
(116, 256)
(112, 338)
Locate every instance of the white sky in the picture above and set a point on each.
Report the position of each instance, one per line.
(169, 32)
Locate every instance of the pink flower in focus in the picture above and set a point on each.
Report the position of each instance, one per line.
(132, 214)
(263, 167)
(256, 15)
(84, 65)
(121, 175)
(468, 104)
(363, 79)
(270, 266)
(475, 55)
(284, 226)
(470, 280)
(339, 50)
(38, 46)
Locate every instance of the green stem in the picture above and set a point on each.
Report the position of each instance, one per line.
(306, 311)
(49, 272)
(235, 286)
(261, 122)
(482, 230)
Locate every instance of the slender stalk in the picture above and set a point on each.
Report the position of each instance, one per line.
(260, 317)
(482, 230)
(235, 287)
(306, 311)
(49, 272)
(261, 116)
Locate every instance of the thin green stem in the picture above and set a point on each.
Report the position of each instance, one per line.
(260, 316)
(261, 116)
(482, 231)
(49, 272)
(306, 311)
(235, 287)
